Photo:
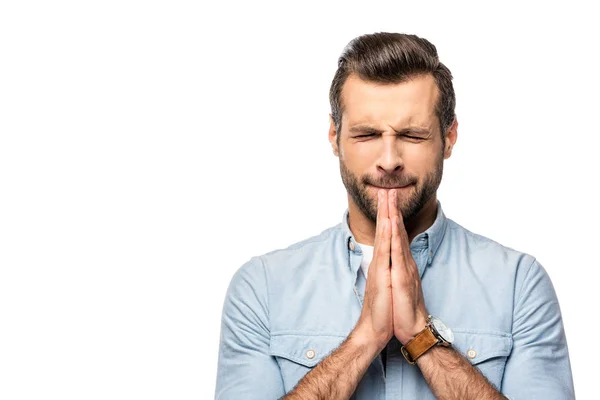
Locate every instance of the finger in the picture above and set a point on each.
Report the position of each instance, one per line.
(384, 206)
(397, 250)
(383, 253)
(380, 198)
(378, 223)
(381, 215)
(402, 229)
(402, 234)
(393, 204)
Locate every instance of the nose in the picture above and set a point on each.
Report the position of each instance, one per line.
(390, 161)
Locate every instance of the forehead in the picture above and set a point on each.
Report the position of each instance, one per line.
(397, 104)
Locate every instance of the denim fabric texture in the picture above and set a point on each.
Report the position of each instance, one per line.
(286, 310)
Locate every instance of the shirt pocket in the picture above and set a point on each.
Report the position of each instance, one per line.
(486, 350)
(297, 354)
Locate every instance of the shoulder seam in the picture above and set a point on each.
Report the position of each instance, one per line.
(302, 243)
(483, 238)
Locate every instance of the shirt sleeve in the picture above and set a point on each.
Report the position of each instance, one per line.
(538, 366)
(245, 368)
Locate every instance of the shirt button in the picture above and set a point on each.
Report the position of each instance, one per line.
(431, 254)
(351, 245)
(310, 354)
(471, 353)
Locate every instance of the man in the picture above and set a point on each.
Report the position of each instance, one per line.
(356, 311)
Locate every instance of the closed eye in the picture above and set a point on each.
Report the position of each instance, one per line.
(406, 136)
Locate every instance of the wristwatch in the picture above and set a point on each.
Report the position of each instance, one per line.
(435, 333)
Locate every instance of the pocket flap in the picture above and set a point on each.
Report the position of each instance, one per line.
(307, 350)
(478, 346)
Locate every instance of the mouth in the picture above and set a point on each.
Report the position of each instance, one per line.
(391, 187)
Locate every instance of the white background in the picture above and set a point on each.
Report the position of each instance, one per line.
(149, 148)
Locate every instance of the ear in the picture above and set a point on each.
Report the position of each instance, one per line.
(451, 137)
(332, 136)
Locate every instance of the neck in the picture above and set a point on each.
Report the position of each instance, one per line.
(363, 228)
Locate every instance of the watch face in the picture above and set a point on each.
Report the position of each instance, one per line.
(442, 329)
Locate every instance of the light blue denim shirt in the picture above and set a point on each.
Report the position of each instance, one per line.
(286, 310)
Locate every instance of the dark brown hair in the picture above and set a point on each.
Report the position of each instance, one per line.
(393, 58)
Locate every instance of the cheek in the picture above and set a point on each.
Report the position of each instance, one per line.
(359, 161)
(420, 161)
(363, 155)
(417, 152)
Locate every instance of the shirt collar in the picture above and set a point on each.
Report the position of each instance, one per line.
(430, 239)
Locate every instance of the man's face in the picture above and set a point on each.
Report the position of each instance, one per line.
(390, 137)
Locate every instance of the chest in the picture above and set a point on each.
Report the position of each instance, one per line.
(311, 319)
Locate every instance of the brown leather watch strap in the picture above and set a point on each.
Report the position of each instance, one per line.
(418, 345)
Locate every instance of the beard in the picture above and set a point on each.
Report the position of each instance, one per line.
(410, 201)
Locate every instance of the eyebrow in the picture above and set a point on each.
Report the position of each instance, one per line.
(370, 129)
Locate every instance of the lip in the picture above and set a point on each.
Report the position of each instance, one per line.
(393, 187)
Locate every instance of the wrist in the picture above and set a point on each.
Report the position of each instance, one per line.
(370, 345)
(407, 335)
(435, 333)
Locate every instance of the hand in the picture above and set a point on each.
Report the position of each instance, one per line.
(376, 316)
(409, 312)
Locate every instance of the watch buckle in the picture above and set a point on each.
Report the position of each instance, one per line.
(407, 356)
